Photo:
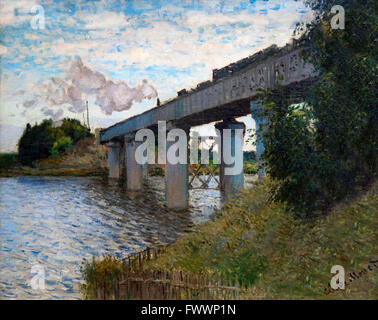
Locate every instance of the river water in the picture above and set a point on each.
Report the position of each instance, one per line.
(49, 225)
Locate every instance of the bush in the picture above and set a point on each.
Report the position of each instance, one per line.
(61, 145)
(250, 168)
(105, 272)
(324, 149)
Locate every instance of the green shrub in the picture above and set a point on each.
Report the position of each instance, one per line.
(324, 149)
(61, 145)
(250, 167)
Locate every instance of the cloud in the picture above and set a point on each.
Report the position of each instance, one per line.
(105, 20)
(83, 78)
(81, 82)
(119, 96)
(191, 37)
(3, 49)
(29, 103)
(55, 115)
(14, 12)
(19, 92)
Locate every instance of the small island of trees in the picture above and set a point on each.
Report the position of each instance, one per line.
(48, 140)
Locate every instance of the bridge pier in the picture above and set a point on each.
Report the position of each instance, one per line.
(114, 159)
(134, 171)
(230, 184)
(257, 112)
(176, 183)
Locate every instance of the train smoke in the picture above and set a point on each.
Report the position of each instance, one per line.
(82, 82)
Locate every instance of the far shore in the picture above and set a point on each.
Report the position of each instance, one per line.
(53, 171)
(73, 171)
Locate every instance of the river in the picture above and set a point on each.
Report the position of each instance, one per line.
(54, 223)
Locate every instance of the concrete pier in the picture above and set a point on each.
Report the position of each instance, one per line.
(176, 183)
(231, 182)
(257, 113)
(114, 163)
(134, 171)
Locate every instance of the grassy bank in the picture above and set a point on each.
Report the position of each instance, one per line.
(83, 159)
(264, 247)
(267, 251)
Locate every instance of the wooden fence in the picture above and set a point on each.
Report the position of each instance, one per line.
(138, 283)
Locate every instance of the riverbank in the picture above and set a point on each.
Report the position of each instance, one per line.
(83, 159)
(272, 255)
(55, 167)
(55, 172)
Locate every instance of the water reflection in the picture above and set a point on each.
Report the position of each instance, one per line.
(56, 222)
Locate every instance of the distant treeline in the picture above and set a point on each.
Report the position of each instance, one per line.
(248, 156)
(46, 140)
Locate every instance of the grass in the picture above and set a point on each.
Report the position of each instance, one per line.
(260, 245)
(250, 167)
(104, 272)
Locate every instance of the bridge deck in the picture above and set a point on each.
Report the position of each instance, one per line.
(228, 95)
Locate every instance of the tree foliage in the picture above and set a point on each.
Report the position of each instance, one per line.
(324, 149)
(61, 145)
(44, 140)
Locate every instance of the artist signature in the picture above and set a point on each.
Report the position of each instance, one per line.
(353, 275)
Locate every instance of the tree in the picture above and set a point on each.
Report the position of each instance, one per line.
(74, 129)
(43, 140)
(36, 142)
(325, 149)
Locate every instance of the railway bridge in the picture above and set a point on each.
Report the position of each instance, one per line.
(233, 92)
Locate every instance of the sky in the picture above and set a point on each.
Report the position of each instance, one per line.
(121, 55)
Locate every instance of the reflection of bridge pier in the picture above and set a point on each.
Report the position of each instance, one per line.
(114, 159)
(232, 93)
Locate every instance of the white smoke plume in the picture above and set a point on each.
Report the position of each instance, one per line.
(81, 82)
